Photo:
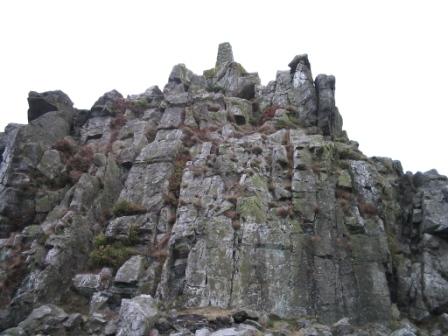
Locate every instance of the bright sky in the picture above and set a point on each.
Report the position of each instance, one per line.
(390, 58)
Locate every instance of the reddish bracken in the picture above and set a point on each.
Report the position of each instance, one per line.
(367, 209)
(75, 175)
(268, 114)
(232, 214)
(160, 249)
(82, 160)
(118, 122)
(236, 225)
(343, 194)
(65, 146)
(316, 238)
(283, 212)
(120, 105)
(15, 269)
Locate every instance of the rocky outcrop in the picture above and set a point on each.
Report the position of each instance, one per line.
(41, 103)
(217, 206)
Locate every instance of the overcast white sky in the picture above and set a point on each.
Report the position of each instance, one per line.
(390, 58)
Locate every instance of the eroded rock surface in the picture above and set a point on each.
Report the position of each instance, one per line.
(217, 206)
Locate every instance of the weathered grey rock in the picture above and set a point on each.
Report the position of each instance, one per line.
(309, 331)
(202, 332)
(19, 183)
(130, 272)
(239, 109)
(131, 138)
(254, 324)
(403, 332)
(87, 284)
(160, 151)
(444, 321)
(235, 81)
(435, 205)
(33, 232)
(424, 274)
(342, 327)
(106, 105)
(16, 331)
(41, 103)
(153, 96)
(99, 159)
(73, 324)
(67, 248)
(436, 332)
(303, 93)
(110, 328)
(96, 130)
(45, 319)
(51, 164)
(328, 117)
(96, 324)
(344, 180)
(99, 301)
(230, 77)
(179, 82)
(122, 227)
(172, 117)
(240, 330)
(137, 316)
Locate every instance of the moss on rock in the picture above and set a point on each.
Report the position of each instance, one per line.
(252, 207)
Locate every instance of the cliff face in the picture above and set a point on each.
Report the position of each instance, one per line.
(217, 194)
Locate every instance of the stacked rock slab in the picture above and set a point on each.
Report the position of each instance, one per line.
(215, 194)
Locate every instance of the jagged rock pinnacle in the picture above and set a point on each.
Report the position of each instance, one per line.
(299, 59)
(225, 53)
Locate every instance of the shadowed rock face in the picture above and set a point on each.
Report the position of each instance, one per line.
(41, 103)
(214, 194)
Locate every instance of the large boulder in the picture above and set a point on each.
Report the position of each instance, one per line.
(87, 284)
(137, 316)
(46, 319)
(20, 179)
(41, 103)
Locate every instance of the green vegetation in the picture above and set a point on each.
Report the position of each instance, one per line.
(285, 121)
(175, 179)
(210, 73)
(100, 240)
(133, 235)
(252, 207)
(112, 253)
(140, 105)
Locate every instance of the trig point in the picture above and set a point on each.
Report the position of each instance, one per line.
(225, 53)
